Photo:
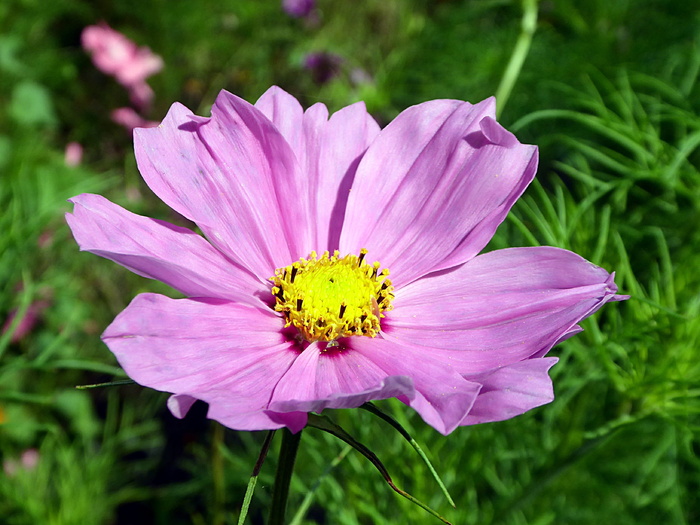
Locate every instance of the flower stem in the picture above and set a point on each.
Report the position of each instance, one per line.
(528, 26)
(254, 477)
(308, 499)
(285, 467)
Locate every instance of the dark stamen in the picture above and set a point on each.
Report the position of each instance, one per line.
(342, 310)
(294, 274)
(300, 301)
(361, 258)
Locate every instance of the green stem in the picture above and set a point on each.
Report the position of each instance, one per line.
(285, 467)
(308, 499)
(528, 26)
(254, 477)
(374, 410)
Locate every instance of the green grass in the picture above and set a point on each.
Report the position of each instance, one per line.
(608, 91)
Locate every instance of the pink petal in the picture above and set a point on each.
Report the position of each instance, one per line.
(345, 139)
(294, 421)
(180, 404)
(511, 390)
(433, 187)
(247, 143)
(500, 307)
(73, 154)
(298, 8)
(286, 113)
(334, 379)
(226, 354)
(159, 250)
(141, 96)
(30, 458)
(114, 54)
(226, 174)
(130, 119)
(328, 152)
(25, 325)
(443, 398)
(141, 64)
(109, 48)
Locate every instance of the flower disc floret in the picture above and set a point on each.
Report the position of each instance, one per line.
(330, 297)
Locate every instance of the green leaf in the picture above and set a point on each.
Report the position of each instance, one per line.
(120, 382)
(31, 105)
(327, 425)
(386, 417)
(308, 498)
(254, 477)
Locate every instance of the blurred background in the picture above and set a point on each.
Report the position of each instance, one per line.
(608, 90)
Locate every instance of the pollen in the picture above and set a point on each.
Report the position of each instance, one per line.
(329, 297)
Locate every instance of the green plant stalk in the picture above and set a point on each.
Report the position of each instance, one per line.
(285, 468)
(327, 425)
(119, 382)
(404, 433)
(254, 477)
(308, 499)
(528, 26)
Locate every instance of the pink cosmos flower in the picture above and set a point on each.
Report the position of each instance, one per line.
(29, 460)
(323, 66)
(28, 321)
(73, 154)
(116, 55)
(298, 8)
(273, 328)
(130, 119)
(141, 95)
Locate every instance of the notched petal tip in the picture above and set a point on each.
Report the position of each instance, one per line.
(491, 132)
(276, 91)
(276, 96)
(193, 123)
(176, 115)
(227, 103)
(497, 134)
(489, 105)
(619, 297)
(79, 220)
(612, 289)
(83, 198)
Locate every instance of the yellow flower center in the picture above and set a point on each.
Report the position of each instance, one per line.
(330, 297)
